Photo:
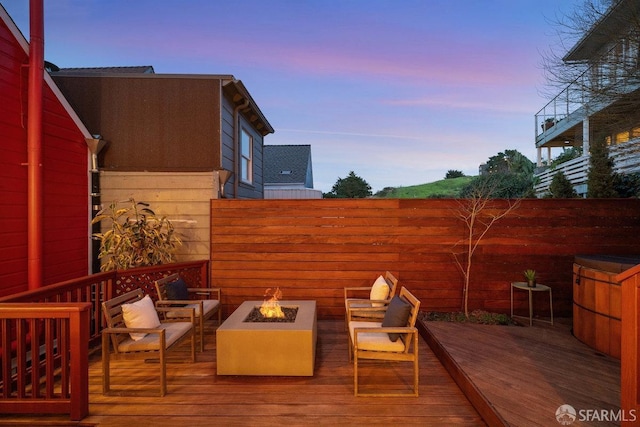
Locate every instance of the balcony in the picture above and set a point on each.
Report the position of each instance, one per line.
(626, 158)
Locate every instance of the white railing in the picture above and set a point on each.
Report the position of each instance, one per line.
(626, 158)
(575, 170)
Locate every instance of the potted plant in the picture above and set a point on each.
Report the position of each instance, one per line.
(530, 275)
(136, 237)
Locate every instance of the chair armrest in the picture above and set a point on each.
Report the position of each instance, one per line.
(365, 311)
(172, 302)
(205, 291)
(359, 289)
(187, 312)
(133, 330)
(386, 330)
(353, 301)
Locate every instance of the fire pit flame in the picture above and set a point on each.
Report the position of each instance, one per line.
(270, 308)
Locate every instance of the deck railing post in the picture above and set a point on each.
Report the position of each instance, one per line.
(79, 326)
(630, 346)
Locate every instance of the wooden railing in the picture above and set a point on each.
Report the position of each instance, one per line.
(52, 329)
(54, 337)
(92, 289)
(195, 273)
(630, 345)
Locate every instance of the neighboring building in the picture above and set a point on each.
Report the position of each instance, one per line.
(288, 172)
(575, 116)
(65, 168)
(172, 141)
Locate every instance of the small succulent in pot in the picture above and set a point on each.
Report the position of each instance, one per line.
(530, 275)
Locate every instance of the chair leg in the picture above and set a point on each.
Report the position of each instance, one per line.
(355, 372)
(193, 344)
(201, 329)
(416, 370)
(163, 372)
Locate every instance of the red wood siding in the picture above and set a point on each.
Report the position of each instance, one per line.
(65, 176)
(312, 249)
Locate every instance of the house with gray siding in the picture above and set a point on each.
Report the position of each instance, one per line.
(288, 172)
(175, 141)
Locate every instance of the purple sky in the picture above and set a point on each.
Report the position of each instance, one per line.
(399, 91)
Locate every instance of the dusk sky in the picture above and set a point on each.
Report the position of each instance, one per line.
(398, 91)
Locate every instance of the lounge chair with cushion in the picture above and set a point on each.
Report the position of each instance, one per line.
(173, 291)
(375, 296)
(134, 328)
(395, 338)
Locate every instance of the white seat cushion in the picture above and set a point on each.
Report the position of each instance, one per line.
(208, 305)
(376, 341)
(173, 332)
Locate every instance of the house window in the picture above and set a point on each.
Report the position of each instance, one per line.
(246, 156)
(622, 137)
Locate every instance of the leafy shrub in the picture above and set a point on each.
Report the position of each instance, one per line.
(137, 237)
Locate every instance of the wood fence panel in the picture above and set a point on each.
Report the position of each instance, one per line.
(312, 249)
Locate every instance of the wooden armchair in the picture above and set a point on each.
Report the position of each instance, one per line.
(172, 291)
(153, 338)
(372, 297)
(393, 339)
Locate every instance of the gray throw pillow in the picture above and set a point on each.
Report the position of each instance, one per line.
(177, 290)
(397, 315)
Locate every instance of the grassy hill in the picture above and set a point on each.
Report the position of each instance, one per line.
(438, 189)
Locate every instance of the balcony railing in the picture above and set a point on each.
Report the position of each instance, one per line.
(570, 100)
(626, 159)
(575, 170)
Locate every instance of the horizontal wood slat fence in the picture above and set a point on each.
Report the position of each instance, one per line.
(312, 249)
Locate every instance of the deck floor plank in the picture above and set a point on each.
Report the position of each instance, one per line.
(198, 397)
(528, 372)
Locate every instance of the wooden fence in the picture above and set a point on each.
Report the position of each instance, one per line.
(312, 249)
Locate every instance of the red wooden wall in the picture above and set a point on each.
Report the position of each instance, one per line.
(66, 187)
(312, 249)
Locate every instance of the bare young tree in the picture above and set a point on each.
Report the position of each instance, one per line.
(479, 212)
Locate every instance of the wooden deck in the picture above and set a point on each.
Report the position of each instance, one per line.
(516, 376)
(526, 373)
(198, 397)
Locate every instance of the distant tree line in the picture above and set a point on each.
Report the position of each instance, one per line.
(510, 175)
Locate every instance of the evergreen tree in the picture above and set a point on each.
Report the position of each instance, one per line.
(600, 179)
(351, 187)
(451, 173)
(561, 187)
(627, 185)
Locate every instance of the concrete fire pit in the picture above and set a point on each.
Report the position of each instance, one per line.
(268, 348)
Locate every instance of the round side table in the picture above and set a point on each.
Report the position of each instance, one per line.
(538, 288)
